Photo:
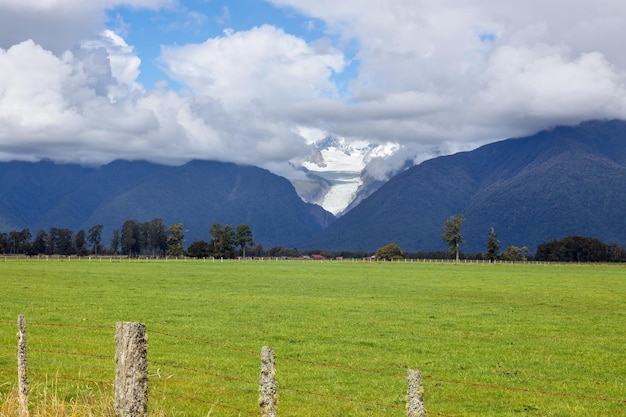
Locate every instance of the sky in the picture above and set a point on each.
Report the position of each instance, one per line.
(255, 81)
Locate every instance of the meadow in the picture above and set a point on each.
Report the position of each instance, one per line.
(490, 340)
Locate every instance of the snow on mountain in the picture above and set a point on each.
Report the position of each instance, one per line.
(335, 170)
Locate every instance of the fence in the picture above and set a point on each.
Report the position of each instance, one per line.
(140, 259)
(132, 376)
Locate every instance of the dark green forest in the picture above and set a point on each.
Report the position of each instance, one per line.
(154, 239)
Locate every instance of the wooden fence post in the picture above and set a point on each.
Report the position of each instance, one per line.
(22, 367)
(415, 395)
(131, 370)
(268, 386)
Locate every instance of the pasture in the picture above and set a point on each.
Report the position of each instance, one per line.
(490, 340)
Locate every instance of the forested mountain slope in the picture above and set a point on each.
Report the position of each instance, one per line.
(559, 182)
(43, 195)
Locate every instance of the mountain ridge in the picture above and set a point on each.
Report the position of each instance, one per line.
(566, 180)
(558, 182)
(43, 195)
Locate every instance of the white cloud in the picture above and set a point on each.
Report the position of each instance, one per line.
(436, 76)
(122, 61)
(453, 74)
(61, 108)
(59, 25)
(264, 66)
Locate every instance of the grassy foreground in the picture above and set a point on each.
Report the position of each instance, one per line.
(490, 340)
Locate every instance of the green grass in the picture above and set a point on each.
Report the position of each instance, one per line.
(490, 340)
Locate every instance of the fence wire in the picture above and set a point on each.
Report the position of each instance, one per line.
(99, 364)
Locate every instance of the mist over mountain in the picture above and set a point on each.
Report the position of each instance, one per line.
(43, 195)
(559, 182)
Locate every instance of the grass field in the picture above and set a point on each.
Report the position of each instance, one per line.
(490, 340)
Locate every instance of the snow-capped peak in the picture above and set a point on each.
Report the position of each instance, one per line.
(336, 165)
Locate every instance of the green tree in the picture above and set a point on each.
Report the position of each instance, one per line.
(4, 242)
(40, 243)
(19, 242)
(243, 238)
(65, 244)
(199, 249)
(157, 237)
(616, 253)
(452, 234)
(79, 243)
(94, 236)
(578, 249)
(115, 241)
(25, 237)
(143, 237)
(14, 242)
(175, 240)
(390, 252)
(493, 246)
(222, 240)
(130, 239)
(515, 254)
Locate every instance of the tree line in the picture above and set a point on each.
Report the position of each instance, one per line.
(569, 249)
(153, 238)
(134, 238)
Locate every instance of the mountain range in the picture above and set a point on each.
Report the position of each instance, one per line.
(560, 182)
(43, 194)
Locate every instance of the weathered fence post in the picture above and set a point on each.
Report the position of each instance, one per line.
(415, 395)
(268, 386)
(22, 367)
(131, 370)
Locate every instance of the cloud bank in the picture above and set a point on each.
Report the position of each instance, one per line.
(433, 76)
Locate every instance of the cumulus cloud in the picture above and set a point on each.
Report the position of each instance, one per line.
(433, 76)
(440, 77)
(71, 109)
(263, 65)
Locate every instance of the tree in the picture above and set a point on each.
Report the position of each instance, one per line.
(19, 242)
(4, 242)
(452, 234)
(578, 249)
(94, 236)
(143, 230)
(222, 240)
(40, 243)
(199, 249)
(257, 250)
(157, 237)
(79, 243)
(493, 246)
(515, 254)
(390, 252)
(175, 240)
(53, 241)
(243, 238)
(130, 238)
(115, 241)
(65, 244)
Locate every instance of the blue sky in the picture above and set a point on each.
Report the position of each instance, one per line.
(256, 81)
(195, 21)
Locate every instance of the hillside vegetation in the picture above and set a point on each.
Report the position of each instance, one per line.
(44, 195)
(561, 182)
